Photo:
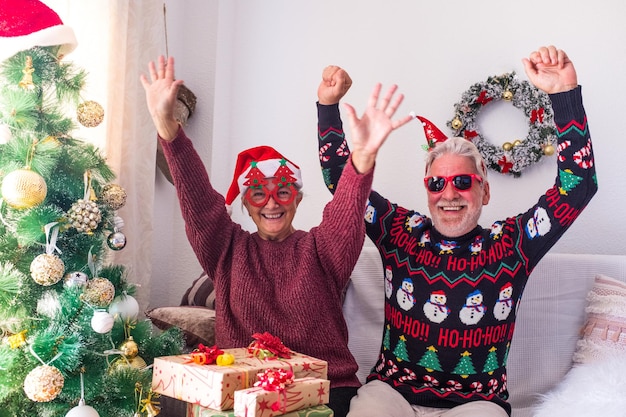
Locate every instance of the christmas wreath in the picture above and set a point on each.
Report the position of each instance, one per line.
(510, 158)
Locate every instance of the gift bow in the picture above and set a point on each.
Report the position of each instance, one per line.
(205, 355)
(268, 346)
(275, 380)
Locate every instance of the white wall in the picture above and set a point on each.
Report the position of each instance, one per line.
(255, 67)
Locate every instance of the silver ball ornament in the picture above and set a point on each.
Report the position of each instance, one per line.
(116, 241)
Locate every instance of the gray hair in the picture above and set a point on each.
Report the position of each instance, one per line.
(461, 147)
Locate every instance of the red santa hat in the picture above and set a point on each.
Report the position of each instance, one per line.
(268, 161)
(432, 132)
(25, 24)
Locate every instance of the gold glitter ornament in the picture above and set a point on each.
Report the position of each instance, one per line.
(90, 113)
(44, 383)
(24, 188)
(113, 196)
(17, 340)
(548, 150)
(129, 348)
(137, 362)
(84, 216)
(47, 269)
(99, 292)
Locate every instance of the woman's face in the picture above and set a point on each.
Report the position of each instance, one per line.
(273, 220)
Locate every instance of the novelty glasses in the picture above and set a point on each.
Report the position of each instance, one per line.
(259, 196)
(461, 182)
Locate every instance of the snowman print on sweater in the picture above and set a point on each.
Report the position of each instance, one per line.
(404, 296)
(474, 309)
(435, 307)
(388, 282)
(504, 305)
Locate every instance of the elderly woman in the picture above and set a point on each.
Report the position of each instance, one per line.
(284, 281)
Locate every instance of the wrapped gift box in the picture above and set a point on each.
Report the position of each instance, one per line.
(214, 386)
(195, 410)
(302, 393)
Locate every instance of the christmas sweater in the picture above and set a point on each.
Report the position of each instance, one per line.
(451, 304)
(293, 288)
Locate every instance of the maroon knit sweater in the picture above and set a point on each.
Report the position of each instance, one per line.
(292, 289)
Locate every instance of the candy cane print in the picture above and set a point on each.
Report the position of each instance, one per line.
(410, 375)
(430, 381)
(583, 156)
(504, 384)
(341, 150)
(493, 385)
(323, 149)
(381, 363)
(561, 147)
(453, 386)
(476, 386)
(392, 370)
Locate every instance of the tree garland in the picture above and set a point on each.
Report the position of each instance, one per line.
(510, 158)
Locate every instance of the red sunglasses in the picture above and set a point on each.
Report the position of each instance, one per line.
(462, 182)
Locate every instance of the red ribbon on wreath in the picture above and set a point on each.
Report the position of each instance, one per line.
(205, 355)
(505, 164)
(537, 115)
(267, 346)
(275, 380)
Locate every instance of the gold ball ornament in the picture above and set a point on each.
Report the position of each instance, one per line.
(129, 348)
(113, 196)
(90, 113)
(548, 150)
(507, 146)
(84, 216)
(507, 95)
(456, 123)
(24, 188)
(44, 383)
(47, 269)
(137, 363)
(517, 142)
(99, 292)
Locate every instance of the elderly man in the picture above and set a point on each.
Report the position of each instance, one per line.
(453, 286)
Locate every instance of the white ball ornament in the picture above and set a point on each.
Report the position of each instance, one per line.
(75, 279)
(82, 411)
(125, 306)
(102, 321)
(44, 383)
(5, 134)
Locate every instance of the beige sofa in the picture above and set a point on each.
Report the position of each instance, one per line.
(551, 316)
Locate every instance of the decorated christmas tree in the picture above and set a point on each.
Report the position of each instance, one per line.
(73, 342)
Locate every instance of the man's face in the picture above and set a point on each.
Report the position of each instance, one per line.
(456, 212)
(273, 220)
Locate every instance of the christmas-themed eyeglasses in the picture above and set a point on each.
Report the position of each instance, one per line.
(461, 182)
(259, 196)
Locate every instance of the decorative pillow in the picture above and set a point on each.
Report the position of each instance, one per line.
(604, 333)
(197, 323)
(200, 293)
(590, 389)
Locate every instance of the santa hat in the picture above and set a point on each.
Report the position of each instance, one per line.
(433, 134)
(25, 24)
(265, 159)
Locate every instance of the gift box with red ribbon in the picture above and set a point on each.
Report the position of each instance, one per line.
(277, 393)
(189, 378)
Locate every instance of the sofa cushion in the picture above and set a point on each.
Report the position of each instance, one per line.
(200, 293)
(604, 333)
(196, 322)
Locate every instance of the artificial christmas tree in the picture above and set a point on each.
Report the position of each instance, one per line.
(72, 342)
